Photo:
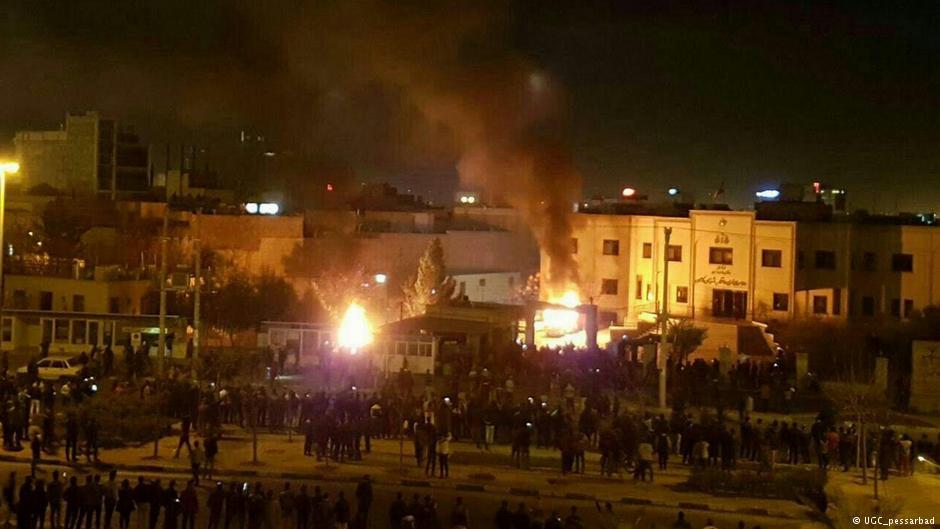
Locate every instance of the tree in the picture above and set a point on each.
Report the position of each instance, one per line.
(685, 338)
(430, 284)
(276, 299)
(231, 306)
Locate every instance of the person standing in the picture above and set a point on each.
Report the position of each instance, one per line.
(189, 505)
(197, 457)
(171, 506)
(91, 440)
(443, 455)
(24, 507)
(396, 511)
(302, 507)
(212, 450)
(89, 495)
(364, 496)
(141, 497)
(40, 505)
(341, 512)
(35, 446)
(71, 437)
(9, 493)
(285, 501)
(215, 502)
(185, 427)
(235, 506)
(73, 503)
(54, 495)
(109, 491)
(155, 496)
(125, 504)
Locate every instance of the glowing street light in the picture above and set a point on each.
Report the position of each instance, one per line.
(672, 191)
(768, 194)
(628, 192)
(380, 279)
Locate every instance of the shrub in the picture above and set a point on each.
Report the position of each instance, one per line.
(784, 483)
(125, 419)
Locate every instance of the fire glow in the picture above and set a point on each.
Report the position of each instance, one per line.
(355, 332)
(563, 320)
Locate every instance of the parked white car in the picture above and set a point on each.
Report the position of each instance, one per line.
(56, 368)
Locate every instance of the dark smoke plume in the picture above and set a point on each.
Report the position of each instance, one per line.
(498, 114)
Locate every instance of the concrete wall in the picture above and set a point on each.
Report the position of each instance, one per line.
(495, 287)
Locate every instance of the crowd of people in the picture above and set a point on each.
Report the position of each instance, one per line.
(94, 501)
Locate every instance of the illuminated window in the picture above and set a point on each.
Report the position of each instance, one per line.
(674, 253)
(781, 301)
(682, 294)
(720, 256)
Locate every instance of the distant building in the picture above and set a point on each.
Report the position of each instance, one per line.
(75, 311)
(89, 155)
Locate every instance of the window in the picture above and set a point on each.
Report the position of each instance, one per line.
(482, 281)
(45, 300)
(674, 253)
(114, 305)
(61, 331)
(908, 307)
(93, 332)
(799, 259)
(609, 287)
(868, 306)
(682, 294)
(574, 245)
(869, 262)
(649, 292)
(825, 260)
(781, 301)
(639, 287)
(6, 334)
(46, 330)
(836, 301)
(720, 256)
(78, 331)
(19, 299)
(896, 308)
(771, 258)
(820, 305)
(78, 303)
(611, 247)
(647, 250)
(902, 262)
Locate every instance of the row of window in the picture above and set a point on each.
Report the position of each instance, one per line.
(20, 301)
(824, 259)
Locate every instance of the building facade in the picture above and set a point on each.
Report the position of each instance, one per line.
(89, 154)
(733, 266)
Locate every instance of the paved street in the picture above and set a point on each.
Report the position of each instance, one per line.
(482, 478)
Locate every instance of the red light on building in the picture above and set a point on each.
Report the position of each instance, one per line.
(329, 187)
(817, 187)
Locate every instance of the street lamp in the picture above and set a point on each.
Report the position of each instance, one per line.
(5, 168)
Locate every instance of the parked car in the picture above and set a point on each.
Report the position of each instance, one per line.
(56, 368)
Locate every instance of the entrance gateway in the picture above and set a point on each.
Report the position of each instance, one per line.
(729, 304)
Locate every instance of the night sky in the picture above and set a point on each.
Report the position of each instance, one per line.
(671, 93)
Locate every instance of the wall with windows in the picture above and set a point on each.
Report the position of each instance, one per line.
(23, 292)
(492, 287)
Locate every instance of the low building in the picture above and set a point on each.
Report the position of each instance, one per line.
(81, 310)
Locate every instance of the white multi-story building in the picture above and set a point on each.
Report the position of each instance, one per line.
(731, 268)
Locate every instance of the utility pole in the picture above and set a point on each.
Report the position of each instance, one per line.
(664, 321)
(196, 298)
(161, 341)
